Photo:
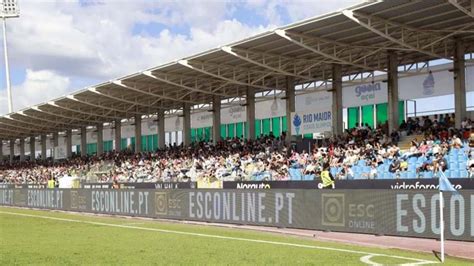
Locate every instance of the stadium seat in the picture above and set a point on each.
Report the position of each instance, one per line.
(464, 174)
(295, 174)
(455, 174)
(453, 166)
(411, 174)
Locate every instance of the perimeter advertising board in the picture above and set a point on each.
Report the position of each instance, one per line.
(402, 213)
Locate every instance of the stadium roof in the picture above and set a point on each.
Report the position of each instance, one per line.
(358, 38)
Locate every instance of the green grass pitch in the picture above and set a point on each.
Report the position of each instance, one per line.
(43, 237)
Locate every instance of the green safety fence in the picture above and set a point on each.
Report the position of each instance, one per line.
(352, 117)
(368, 115)
(276, 126)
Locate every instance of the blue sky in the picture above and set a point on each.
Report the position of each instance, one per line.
(59, 47)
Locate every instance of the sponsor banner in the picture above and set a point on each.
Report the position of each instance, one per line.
(393, 184)
(364, 94)
(403, 184)
(426, 84)
(233, 114)
(208, 184)
(201, 119)
(174, 123)
(307, 101)
(389, 212)
(270, 185)
(271, 108)
(131, 185)
(311, 121)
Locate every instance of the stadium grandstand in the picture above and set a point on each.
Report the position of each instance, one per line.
(344, 80)
(313, 130)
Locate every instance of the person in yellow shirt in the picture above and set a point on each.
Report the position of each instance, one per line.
(326, 177)
(51, 183)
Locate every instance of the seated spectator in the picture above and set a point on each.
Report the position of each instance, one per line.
(470, 166)
(373, 173)
(395, 167)
(456, 142)
(346, 173)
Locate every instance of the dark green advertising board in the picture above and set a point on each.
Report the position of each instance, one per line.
(388, 212)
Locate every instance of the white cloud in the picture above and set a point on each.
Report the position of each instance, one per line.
(96, 41)
(64, 43)
(38, 87)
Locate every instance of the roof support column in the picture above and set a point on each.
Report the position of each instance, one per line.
(187, 124)
(22, 150)
(138, 133)
(161, 129)
(118, 135)
(83, 141)
(55, 139)
(32, 149)
(43, 147)
(337, 127)
(68, 143)
(100, 139)
(459, 83)
(55, 145)
(250, 102)
(216, 119)
(12, 150)
(392, 92)
(290, 106)
(1, 151)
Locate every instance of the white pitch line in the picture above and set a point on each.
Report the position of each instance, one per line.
(133, 224)
(418, 261)
(367, 260)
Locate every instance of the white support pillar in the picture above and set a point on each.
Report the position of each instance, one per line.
(216, 119)
(43, 147)
(22, 150)
(55, 144)
(337, 126)
(392, 92)
(138, 133)
(1, 151)
(12, 150)
(32, 149)
(118, 135)
(161, 129)
(290, 106)
(55, 139)
(83, 141)
(100, 139)
(187, 124)
(459, 84)
(69, 143)
(250, 102)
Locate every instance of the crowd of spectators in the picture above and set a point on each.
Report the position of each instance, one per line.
(267, 158)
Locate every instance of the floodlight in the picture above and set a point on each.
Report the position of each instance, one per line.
(9, 9)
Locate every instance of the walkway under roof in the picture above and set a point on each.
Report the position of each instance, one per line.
(358, 38)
